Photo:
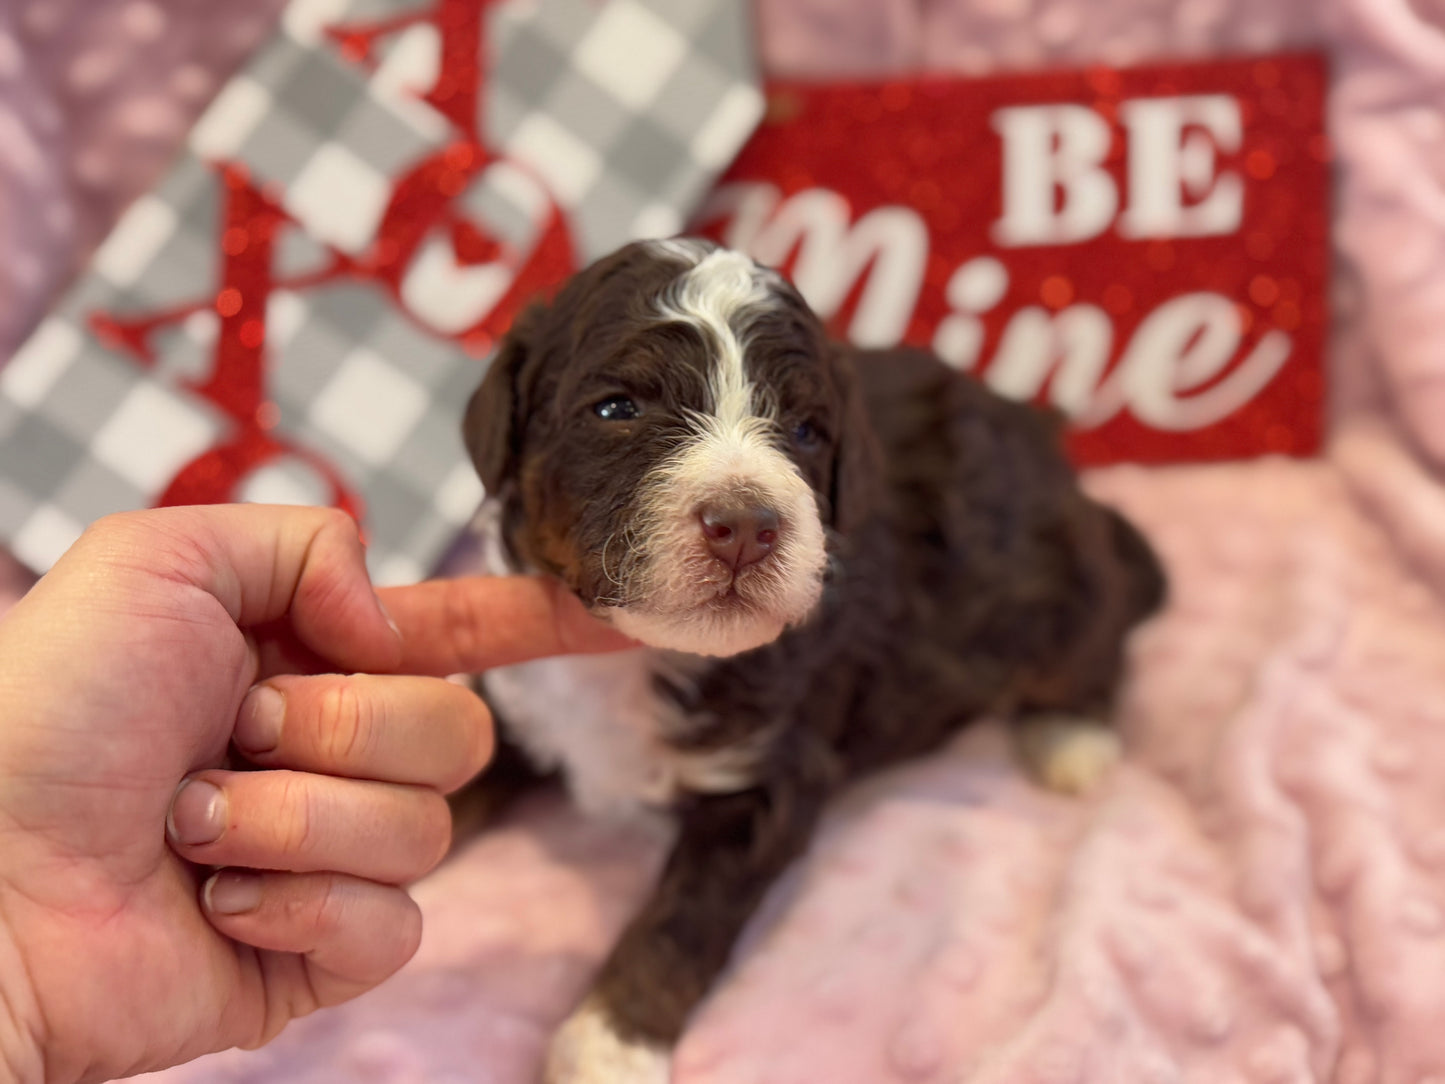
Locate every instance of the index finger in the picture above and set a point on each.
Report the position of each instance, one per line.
(478, 622)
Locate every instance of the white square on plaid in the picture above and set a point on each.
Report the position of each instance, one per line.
(398, 571)
(151, 436)
(457, 498)
(285, 313)
(630, 52)
(229, 121)
(517, 187)
(339, 199)
(657, 220)
(139, 235)
(45, 535)
(369, 407)
(305, 20)
(404, 74)
(33, 371)
(732, 120)
(448, 296)
(290, 481)
(566, 163)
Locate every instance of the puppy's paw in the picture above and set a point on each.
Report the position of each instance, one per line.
(1067, 754)
(588, 1050)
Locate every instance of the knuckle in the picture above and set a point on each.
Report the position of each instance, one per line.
(328, 911)
(462, 616)
(344, 722)
(296, 813)
(334, 520)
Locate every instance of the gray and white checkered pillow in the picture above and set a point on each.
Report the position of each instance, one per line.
(626, 110)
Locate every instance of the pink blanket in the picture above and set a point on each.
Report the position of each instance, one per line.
(1257, 895)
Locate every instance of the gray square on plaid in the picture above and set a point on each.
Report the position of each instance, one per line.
(689, 99)
(650, 157)
(604, 219)
(587, 109)
(431, 535)
(433, 450)
(185, 269)
(88, 393)
(320, 93)
(456, 389)
(15, 504)
(381, 138)
(98, 491)
(530, 61)
(278, 148)
(200, 214)
(392, 501)
(298, 253)
(565, 22)
(276, 60)
(190, 181)
(727, 40)
(353, 310)
(301, 368)
(372, 10)
(10, 415)
(686, 15)
(504, 115)
(38, 457)
(90, 294)
(425, 357)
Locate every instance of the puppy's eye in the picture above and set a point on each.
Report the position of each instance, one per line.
(617, 408)
(806, 435)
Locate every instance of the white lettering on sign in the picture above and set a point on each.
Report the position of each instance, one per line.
(1173, 152)
(1056, 190)
(1182, 346)
(1178, 372)
(888, 245)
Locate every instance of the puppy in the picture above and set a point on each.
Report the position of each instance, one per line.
(834, 560)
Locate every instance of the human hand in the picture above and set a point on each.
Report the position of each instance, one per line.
(125, 671)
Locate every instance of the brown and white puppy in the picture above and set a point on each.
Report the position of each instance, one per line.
(835, 560)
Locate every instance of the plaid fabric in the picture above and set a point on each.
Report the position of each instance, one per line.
(625, 109)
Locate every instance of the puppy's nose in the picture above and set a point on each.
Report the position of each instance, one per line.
(739, 536)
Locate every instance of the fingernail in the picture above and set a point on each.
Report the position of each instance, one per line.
(232, 892)
(387, 614)
(198, 813)
(258, 726)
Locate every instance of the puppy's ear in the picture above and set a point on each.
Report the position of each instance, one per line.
(492, 426)
(1147, 586)
(857, 458)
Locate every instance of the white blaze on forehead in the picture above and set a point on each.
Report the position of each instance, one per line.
(715, 295)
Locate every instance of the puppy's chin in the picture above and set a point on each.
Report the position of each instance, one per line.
(716, 631)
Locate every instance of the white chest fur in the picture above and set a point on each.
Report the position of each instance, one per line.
(600, 721)
(596, 718)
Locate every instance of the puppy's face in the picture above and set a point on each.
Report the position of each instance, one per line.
(675, 439)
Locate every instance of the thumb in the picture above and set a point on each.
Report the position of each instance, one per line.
(261, 563)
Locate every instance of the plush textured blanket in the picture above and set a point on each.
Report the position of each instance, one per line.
(1257, 895)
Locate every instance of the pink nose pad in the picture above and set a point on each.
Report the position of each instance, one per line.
(739, 536)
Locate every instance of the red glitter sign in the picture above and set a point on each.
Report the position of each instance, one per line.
(1146, 250)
